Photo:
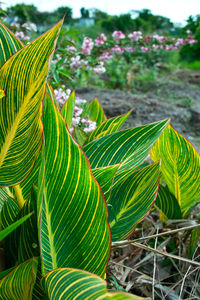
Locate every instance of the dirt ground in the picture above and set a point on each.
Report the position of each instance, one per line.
(176, 97)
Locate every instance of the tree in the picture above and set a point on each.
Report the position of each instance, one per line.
(84, 13)
(64, 11)
(123, 22)
(98, 15)
(26, 13)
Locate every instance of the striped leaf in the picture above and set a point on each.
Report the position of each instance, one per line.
(2, 94)
(25, 187)
(167, 204)
(96, 112)
(80, 136)
(9, 214)
(5, 232)
(73, 228)
(180, 166)
(4, 197)
(69, 283)
(9, 44)
(5, 272)
(128, 147)
(23, 77)
(105, 177)
(38, 291)
(18, 284)
(68, 109)
(10, 208)
(28, 240)
(108, 126)
(133, 194)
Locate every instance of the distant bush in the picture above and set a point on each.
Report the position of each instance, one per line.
(122, 22)
(189, 52)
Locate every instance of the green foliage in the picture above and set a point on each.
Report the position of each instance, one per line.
(148, 22)
(123, 22)
(81, 285)
(61, 189)
(144, 21)
(84, 13)
(188, 52)
(24, 12)
(64, 11)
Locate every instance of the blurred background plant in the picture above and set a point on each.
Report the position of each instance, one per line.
(143, 45)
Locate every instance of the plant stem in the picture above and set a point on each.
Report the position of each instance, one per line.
(124, 243)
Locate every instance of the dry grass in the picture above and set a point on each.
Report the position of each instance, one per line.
(162, 260)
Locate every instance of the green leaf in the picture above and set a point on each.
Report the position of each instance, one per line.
(167, 204)
(128, 147)
(9, 44)
(74, 231)
(96, 112)
(180, 166)
(18, 284)
(9, 214)
(193, 243)
(77, 284)
(10, 209)
(5, 195)
(105, 177)
(5, 272)
(79, 135)
(23, 77)
(132, 196)
(13, 226)
(108, 126)
(28, 240)
(25, 187)
(50, 91)
(68, 109)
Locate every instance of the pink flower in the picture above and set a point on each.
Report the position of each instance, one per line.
(61, 96)
(118, 35)
(100, 68)
(87, 46)
(71, 49)
(159, 38)
(20, 35)
(75, 62)
(91, 126)
(144, 49)
(147, 38)
(129, 49)
(118, 50)
(80, 101)
(106, 56)
(77, 111)
(100, 40)
(192, 41)
(135, 36)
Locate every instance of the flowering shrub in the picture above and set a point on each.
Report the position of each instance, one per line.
(80, 118)
(23, 31)
(93, 56)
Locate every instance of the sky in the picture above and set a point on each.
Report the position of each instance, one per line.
(177, 10)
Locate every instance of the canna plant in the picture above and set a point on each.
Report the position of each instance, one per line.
(179, 191)
(62, 204)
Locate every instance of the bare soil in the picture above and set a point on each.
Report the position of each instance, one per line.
(176, 96)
